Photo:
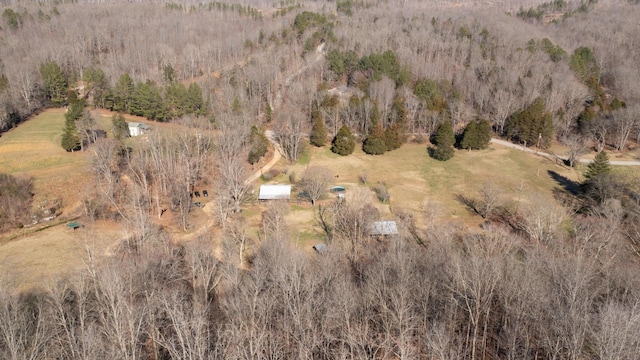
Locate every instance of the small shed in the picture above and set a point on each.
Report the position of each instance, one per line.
(136, 128)
(73, 225)
(381, 228)
(274, 192)
(320, 248)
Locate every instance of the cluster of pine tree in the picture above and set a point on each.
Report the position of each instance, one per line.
(381, 140)
(476, 136)
(146, 99)
(151, 101)
(532, 125)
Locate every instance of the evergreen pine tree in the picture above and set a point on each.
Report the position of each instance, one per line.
(374, 144)
(598, 167)
(318, 131)
(470, 137)
(344, 142)
(477, 135)
(55, 83)
(444, 142)
(532, 125)
(70, 139)
(394, 136)
(484, 134)
(147, 101)
(195, 102)
(175, 99)
(122, 93)
(259, 145)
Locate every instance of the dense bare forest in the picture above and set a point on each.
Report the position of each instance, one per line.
(544, 280)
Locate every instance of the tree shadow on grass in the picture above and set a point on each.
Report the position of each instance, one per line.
(570, 186)
(470, 203)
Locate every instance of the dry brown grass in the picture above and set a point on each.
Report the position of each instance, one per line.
(33, 149)
(413, 178)
(39, 258)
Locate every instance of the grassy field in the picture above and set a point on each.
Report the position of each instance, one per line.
(42, 257)
(33, 149)
(413, 178)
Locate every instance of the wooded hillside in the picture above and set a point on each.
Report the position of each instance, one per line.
(539, 279)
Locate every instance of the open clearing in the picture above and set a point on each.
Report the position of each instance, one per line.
(413, 179)
(33, 149)
(411, 176)
(39, 258)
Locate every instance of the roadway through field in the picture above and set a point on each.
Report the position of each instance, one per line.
(556, 157)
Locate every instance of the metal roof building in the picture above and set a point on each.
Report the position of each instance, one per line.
(136, 128)
(274, 192)
(384, 228)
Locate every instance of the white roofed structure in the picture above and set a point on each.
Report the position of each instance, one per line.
(384, 228)
(274, 192)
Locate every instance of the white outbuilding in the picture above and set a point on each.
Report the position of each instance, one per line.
(274, 192)
(136, 128)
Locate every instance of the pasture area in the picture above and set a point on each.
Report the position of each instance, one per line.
(33, 149)
(41, 258)
(417, 182)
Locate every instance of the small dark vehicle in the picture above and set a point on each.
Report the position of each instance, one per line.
(205, 193)
(197, 193)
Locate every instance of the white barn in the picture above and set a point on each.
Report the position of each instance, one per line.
(274, 192)
(136, 128)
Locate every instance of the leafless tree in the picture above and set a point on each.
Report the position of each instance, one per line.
(540, 219)
(237, 232)
(289, 133)
(614, 338)
(624, 122)
(576, 147)
(231, 168)
(352, 218)
(23, 328)
(274, 224)
(490, 197)
(315, 182)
